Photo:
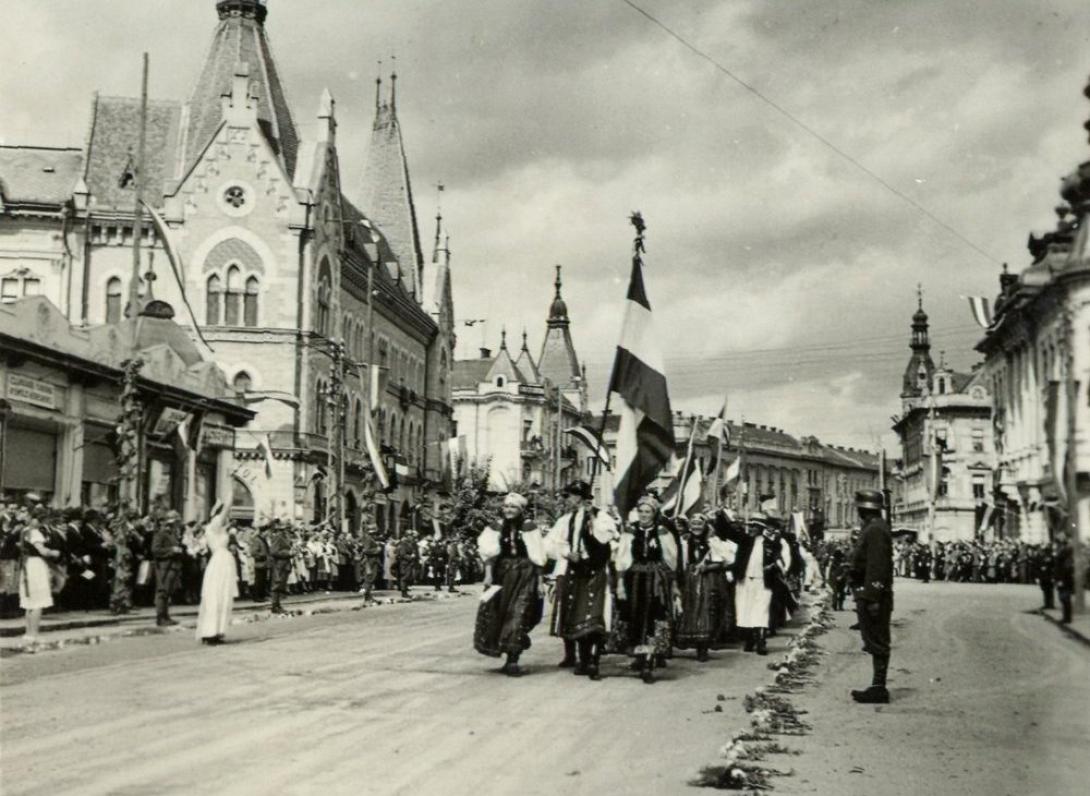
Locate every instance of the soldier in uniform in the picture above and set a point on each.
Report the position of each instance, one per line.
(872, 582)
(280, 563)
(370, 559)
(1045, 574)
(406, 552)
(1064, 576)
(167, 550)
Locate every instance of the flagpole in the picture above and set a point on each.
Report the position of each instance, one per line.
(138, 209)
(742, 474)
(718, 466)
(685, 471)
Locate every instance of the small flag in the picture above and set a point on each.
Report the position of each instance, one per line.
(982, 310)
(590, 439)
(687, 489)
(718, 431)
(265, 447)
(183, 431)
(734, 471)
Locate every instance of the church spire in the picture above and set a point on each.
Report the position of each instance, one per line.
(558, 362)
(558, 312)
(921, 368)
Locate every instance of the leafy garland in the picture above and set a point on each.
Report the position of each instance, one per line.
(129, 424)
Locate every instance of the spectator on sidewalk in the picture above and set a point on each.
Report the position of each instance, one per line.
(35, 592)
(259, 552)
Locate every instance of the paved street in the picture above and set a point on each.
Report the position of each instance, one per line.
(989, 699)
(385, 701)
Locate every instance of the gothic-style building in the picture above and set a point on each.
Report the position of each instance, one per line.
(943, 486)
(279, 274)
(512, 412)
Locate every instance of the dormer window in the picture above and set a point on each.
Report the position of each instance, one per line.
(500, 381)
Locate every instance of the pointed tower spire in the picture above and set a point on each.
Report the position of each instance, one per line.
(558, 362)
(921, 367)
(438, 221)
(393, 83)
(503, 338)
(378, 87)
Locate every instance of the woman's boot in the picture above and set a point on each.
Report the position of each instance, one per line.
(762, 648)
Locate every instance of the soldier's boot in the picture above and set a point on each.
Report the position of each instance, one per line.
(877, 694)
(569, 655)
(751, 639)
(511, 665)
(582, 665)
(762, 647)
(702, 653)
(647, 670)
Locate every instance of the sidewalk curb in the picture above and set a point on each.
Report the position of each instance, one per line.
(1068, 629)
(244, 616)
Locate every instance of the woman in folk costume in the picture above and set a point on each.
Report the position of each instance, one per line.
(219, 589)
(581, 544)
(35, 589)
(763, 557)
(706, 562)
(513, 557)
(646, 562)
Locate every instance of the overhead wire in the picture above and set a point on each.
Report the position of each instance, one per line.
(812, 132)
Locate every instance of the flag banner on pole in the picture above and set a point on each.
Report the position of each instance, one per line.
(183, 432)
(1056, 433)
(590, 439)
(718, 432)
(986, 520)
(162, 231)
(266, 451)
(734, 472)
(370, 438)
(645, 440)
(982, 310)
(689, 490)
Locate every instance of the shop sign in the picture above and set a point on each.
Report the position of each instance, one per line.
(169, 420)
(31, 391)
(217, 436)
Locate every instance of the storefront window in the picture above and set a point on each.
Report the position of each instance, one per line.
(30, 461)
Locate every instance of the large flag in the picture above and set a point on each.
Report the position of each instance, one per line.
(1056, 433)
(645, 440)
(982, 310)
(590, 439)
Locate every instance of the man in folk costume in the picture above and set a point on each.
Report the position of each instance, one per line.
(706, 574)
(580, 543)
(762, 558)
(871, 574)
(513, 557)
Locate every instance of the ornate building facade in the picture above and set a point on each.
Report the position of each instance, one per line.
(512, 412)
(944, 481)
(294, 288)
(1037, 352)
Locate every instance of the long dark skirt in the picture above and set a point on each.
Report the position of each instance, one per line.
(703, 610)
(504, 622)
(646, 609)
(579, 609)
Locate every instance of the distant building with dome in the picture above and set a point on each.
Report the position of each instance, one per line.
(943, 488)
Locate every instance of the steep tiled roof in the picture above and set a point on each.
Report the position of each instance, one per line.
(113, 149)
(38, 175)
(468, 373)
(240, 39)
(387, 195)
(558, 361)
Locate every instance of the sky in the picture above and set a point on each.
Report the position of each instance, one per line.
(781, 276)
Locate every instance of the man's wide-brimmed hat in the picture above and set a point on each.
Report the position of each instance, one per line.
(870, 499)
(580, 489)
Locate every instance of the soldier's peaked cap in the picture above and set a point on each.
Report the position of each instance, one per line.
(869, 499)
(580, 488)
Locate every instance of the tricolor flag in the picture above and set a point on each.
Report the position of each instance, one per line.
(718, 431)
(265, 446)
(162, 231)
(982, 310)
(685, 494)
(734, 472)
(590, 439)
(645, 440)
(370, 439)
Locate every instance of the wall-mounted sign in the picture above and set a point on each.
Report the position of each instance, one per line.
(168, 421)
(31, 391)
(214, 435)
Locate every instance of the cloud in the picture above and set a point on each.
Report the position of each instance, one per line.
(550, 120)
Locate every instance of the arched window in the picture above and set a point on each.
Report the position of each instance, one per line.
(358, 431)
(320, 407)
(233, 300)
(242, 383)
(113, 300)
(249, 306)
(213, 301)
(325, 292)
(443, 369)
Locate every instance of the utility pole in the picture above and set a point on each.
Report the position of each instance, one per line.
(138, 208)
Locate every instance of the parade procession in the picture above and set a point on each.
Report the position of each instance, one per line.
(697, 415)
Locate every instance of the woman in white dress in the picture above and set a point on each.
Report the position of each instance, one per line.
(35, 592)
(220, 586)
